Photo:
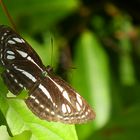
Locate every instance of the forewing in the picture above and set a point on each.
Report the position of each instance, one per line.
(12, 83)
(14, 48)
(17, 80)
(22, 64)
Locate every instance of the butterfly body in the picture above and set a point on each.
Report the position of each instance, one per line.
(50, 97)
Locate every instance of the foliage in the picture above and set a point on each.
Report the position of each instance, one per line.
(101, 42)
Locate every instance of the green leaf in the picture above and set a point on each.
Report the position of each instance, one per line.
(19, 118)
(39, 14)
(91, 77)
(93, 74)
(26, 135)
(125, 126)
(3, 133)
(127, 73)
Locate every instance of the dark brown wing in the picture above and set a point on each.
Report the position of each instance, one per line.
(55, 100)
(10, 40)
(22, 63)
(18, 79)
(50, 97)
(12, 83)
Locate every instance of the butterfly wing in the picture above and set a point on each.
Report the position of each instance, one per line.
(13, 48)
(50, 97)
(23, 65)
(12, 83)
(55, 100)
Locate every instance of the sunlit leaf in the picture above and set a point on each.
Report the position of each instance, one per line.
(91, 77)
(19, 118)
(3, 133)
(92, 68)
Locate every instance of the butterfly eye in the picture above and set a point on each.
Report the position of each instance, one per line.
(50, 97)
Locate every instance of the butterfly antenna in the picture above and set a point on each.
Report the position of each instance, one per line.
(4, 8)
(52, 45)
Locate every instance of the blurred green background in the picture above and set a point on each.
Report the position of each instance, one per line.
(96, 47)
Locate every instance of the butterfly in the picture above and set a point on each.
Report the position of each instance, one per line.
(49, 96)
